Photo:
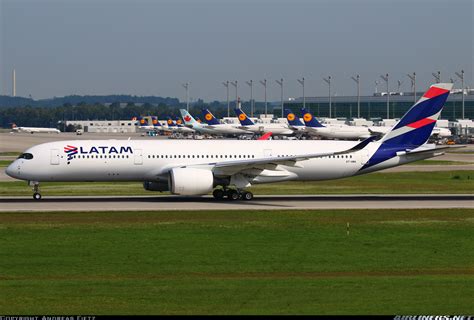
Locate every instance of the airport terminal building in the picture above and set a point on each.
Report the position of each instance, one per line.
(375, 106)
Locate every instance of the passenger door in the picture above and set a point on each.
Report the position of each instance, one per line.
(54, 156)
(138, 158)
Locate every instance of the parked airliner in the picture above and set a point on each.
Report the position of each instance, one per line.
(190, 167)
(190, 122)
(261, 128)
(222, 128)
(34, 129)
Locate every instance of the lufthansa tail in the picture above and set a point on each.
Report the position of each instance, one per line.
(244, 120)
(310, 120)
(293, 119)
(209, 117)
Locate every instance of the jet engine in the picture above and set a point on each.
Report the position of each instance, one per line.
(191, 181)
(156, 186)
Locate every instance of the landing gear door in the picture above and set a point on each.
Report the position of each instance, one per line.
(138, 157)
(54, 156)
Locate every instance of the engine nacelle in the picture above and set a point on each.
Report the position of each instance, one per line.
(156, 186)
(191, 181)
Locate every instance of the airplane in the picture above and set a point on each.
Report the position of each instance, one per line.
(197, 167)
(294, 121)
(33, 129)
(182, 128)
(335, 131)
(314, 127)
(143, 124)
(221, 128)
(441, 132)
(190, 122)
(437, 131)
(172, 126)
(249, 125)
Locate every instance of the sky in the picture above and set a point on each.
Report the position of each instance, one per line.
(144, 47)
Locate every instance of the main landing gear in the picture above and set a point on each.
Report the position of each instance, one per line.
(232, 194)
(36, 194)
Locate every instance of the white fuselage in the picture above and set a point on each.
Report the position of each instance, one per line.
(340, 132)
(141, 160)
(226, 128)
(274, 128)
(35, 130)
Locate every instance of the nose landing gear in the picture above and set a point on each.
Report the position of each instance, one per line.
(36, 194)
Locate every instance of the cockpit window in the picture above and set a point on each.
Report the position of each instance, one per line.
(27, 156)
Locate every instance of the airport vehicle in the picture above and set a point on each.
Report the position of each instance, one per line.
(221, 128)
(34, 129)
(260, 128)
(190, 122)
(191, 167)
(79, 132)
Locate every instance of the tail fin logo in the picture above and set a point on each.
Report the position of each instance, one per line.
(170, 122)
(208, 116)
(290, 117)
(242, 117)
(179, 121)
(134, 119)
(71, 151)
(307, 117)
(187, 118)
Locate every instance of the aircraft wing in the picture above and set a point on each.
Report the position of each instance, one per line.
(229, 168)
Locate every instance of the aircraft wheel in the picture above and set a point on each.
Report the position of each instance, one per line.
(37, 196)
(247, 195)
(218, 194)
(233, 195)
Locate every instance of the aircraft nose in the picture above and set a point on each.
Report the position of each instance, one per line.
(10, 170)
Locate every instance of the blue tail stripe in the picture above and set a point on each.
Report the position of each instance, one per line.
(423, 110)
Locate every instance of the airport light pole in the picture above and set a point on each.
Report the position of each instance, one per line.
(461, 76)
(399, 84)
(357, 80)
(301, 81)
(413, 84)
(264, 84)
(385, 78)
(235, 84)
(186, 86)
(280, 82)
(250, 83)
(437, 76)
(328, 81)
(226, 84)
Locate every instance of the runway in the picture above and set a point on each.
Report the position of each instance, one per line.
(285, 202)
